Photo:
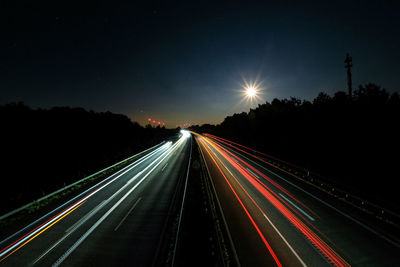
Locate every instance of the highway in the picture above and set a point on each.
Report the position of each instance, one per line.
(276, 220)
(122, 220)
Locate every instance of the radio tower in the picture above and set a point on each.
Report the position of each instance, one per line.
(348, 64)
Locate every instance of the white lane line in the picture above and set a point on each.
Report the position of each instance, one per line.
(70, 185)
(232, 245)
(164, 167)
(323, 202)
(84, 236)
(123, 219)
(134, 177)
(71, 200)
(284, 240)
(10, 248)
(297, 207)
(70, 231)
(126, 169)
(228, 170)
(253, 173)
(276, 229)
(182, 206)
(86, 217)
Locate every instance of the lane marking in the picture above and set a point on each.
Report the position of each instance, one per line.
(182, 206)
(219, 204)
(230, 151)
(326, 204)
(315, 240)
(123, 219)
(70, 185)
(284, 240)
(16, 243)
(87, 217)
(297, 207)
(37, 229)
(103, 181)
(94, 226)
(29, 240)
(134, 178)
(70, 230)
(164, 167)
(253, 173)
(264, 240)
(84, 199)
(129, 167)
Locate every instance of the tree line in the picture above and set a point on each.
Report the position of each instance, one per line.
(45, 149)
(353, 141)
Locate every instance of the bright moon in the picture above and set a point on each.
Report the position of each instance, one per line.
(251, 91)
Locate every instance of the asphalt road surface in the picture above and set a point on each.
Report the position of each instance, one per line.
(274, 219)
(119, 221)
(271, 218)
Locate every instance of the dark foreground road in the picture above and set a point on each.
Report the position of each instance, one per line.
(274, 219)
(257, 215)
(121, 221)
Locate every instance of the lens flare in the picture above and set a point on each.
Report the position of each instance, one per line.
(251, 91)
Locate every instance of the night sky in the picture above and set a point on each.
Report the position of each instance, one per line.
(185, 62)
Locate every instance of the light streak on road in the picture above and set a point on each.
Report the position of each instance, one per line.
(279, 203)
(302, 211)
(247, 213)
(37, 233)
(266, 217)
(116, 175)
(236, 158)
(156, 162)
(236, 146)
(164, 151)
(21, 240)
(240, 163)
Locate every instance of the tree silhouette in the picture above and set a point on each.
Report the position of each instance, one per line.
(41, 150)
(351, 141)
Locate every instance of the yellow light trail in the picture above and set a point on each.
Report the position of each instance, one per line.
(33, 237)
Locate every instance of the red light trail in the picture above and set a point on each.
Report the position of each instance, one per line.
(247, 213)
(276, 201)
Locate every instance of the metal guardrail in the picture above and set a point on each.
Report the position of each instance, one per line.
(324, 185)
(327, 186)
(73, 184)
